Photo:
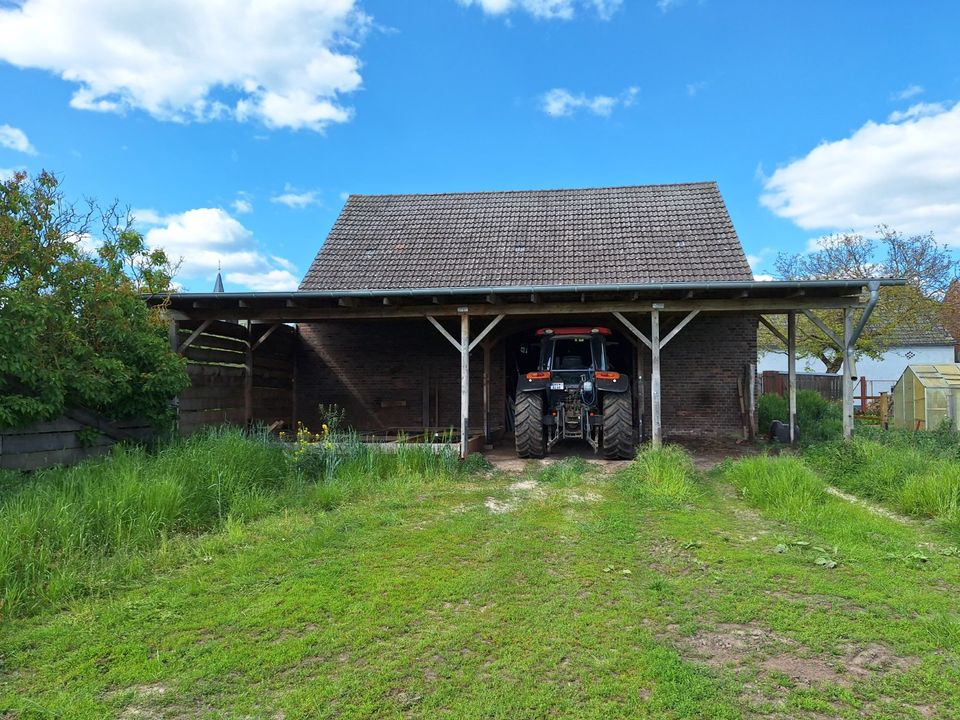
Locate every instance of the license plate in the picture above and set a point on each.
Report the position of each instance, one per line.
(556, 386)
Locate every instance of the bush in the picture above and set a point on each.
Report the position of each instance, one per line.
(819, 420)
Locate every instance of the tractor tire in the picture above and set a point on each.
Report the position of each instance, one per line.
(617, 441)
(528, 425)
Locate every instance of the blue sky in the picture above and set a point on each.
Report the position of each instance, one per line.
(235, 128)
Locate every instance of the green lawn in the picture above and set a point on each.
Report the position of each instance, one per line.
(562, 592)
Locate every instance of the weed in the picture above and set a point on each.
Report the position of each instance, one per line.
(664, 477)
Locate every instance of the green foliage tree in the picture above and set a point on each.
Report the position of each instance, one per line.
(928, 266)
(74, 330)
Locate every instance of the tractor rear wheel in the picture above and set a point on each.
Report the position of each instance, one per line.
(528, 425)
(617, 426)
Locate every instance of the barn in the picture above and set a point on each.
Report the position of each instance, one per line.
(420, 313)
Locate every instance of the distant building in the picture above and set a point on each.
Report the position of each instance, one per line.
(927, 343)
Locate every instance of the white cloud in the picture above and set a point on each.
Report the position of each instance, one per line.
(547, 9)
(7, 173)
(916, 111)
(15, 139)
(905, 174)
(273, 281)
(208, 239)
(695, 87)
(560, 102)
(242, 206)
(666, 6)
(908, 92)
(763, 277)
(296, 200)
(285, 64)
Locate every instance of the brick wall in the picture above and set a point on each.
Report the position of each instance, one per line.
(699, 371)
(377, 371)
(383, 373)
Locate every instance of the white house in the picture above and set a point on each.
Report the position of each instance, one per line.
(928, 344)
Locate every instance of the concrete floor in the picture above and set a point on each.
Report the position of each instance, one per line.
(706, 454)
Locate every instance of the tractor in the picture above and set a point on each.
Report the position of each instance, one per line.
(574, 394)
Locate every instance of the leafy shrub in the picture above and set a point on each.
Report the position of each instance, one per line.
(74, 329)
(818, 419)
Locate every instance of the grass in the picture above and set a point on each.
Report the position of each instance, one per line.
(818, 419)
(406, 586)
(70, 532)
(912, 476)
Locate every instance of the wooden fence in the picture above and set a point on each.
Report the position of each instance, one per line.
(238, 375)
(830, 387)
(73, 437)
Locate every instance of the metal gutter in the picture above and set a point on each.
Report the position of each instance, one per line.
(524, 289)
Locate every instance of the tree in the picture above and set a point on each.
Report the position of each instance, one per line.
(73, 327)
(928, 267)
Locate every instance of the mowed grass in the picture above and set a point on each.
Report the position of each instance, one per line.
(656, 591)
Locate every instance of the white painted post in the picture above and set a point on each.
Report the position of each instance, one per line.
(464, 384)
(847, 374)
(486, 393)
(656, 437)
(792, 371)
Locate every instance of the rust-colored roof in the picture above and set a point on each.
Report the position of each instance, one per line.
(593, 236)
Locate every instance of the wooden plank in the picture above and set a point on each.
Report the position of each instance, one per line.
(464, 384)
(219, 343)
(752, 305)
(443, 331)
(220, 327)
(197, 356)
(193, 336)
(61, 424)
(774, 330)
(218, 403)
(46, 442)
(632, 328)
(792, 373)
(40, 460)
(680, 326)
(93, 420)
(269, 363)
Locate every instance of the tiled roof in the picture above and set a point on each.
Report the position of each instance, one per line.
(596, 236)
(927, 330)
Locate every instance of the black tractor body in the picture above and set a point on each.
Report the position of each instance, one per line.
(574, 394)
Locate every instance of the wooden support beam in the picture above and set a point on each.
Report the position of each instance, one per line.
(486, 394)
(656, 433)
(537, 307)
(464, 385)
(774, 330)
(173, 334)
(248, 379)
(831, 335)
(847, 373)
(486, 331)
(680, 326)
(494, 299)
(263, 338)
(792, 373)
(347, 302)
(193, 336)
(534, 297)
(443, 331)
(387, 301)
(633, 329)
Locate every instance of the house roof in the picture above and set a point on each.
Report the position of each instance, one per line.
(588, 237)
(925, 331)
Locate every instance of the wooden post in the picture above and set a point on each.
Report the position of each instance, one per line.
(295, 380)
(752, 401)
(792, 372)
(486, 393)
(884, 409)
(248, 378)
(847, 374)
(656, 436)
(464, 384)
(174, 336)
(863, 394)
(638, 387)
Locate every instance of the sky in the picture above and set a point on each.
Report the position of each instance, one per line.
(235, 129)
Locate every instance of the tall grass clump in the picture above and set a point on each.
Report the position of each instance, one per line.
(60, 526)
(819, 420)
(912, 476)
(664, 477)
(783, 485)
(66, 532)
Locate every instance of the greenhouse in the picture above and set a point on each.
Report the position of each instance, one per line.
(925, 397)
